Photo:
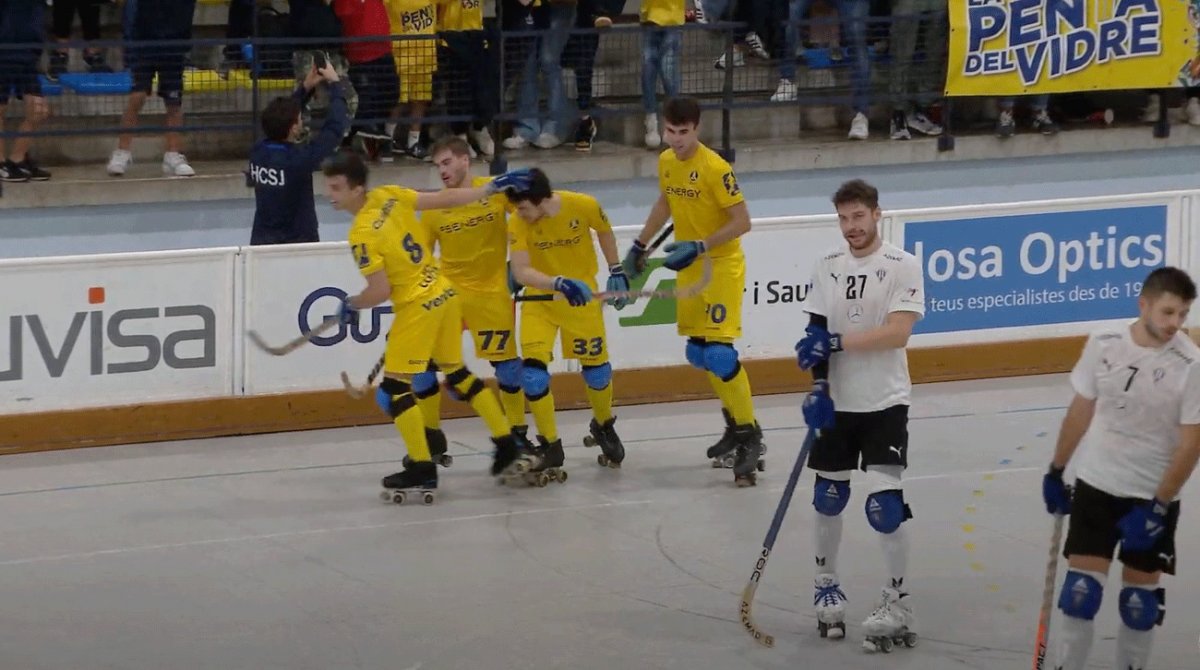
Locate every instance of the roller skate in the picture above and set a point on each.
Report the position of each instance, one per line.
(418, 478)
(549, 469)
(721, 453)
(605, 436)
(436, 440)
(748, 460)
(830, 604)
(513, 456)
(888, 626)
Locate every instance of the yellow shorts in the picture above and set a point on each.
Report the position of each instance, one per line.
(416, 87)
(492, 321)
(582, 331)
(420, 335)
(716, 313)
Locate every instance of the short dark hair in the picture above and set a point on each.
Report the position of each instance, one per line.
(539, 189)
(680, 111)
(279, 117)
(1169, 280)
(347, 164)
(452, 143)
(856, 190)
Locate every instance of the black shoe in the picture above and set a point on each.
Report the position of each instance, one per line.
(726, 443)
(31, 171)
(551, 453)
(96, 64)
(421, 474)
(57, 66)
(9, 171)
(585, 134)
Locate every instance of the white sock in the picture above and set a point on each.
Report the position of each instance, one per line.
(414, 136)
(1075, 640)
(895, 553)
(828, 532)
(1133, 646)
(390, 126)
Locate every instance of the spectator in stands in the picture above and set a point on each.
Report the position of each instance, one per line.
(661, 42)
(21, 23)
(755, 13)
(314, 19)
(914, 86)
(239, 25)
(469, 71)
(531, 126)
(63, 14)
(281, 169)
(1042, 123)
(580, 56)
(416, 61)
(372, 66)
(520, 53)
(156, 21)
(1191, 109)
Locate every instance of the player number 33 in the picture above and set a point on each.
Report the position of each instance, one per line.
(592, 347)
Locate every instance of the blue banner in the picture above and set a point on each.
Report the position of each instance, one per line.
(1036, 269)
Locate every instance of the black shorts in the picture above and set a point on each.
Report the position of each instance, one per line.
(18, 80)
(147, 62)
(1093, 530)
(859, 439)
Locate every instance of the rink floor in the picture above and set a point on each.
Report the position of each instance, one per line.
(275, 551)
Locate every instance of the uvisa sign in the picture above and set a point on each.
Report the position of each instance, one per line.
(305, 319)
(108, 331)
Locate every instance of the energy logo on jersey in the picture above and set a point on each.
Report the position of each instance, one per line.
(655, 311)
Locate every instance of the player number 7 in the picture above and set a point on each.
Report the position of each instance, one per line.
(1129, 382)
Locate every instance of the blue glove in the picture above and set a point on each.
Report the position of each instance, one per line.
(1143, 526)
(577, 292)
(635, 260)
(818, 345)
(617, 281)
(347, 315)
(513, 180)
(682, 254)
(818, 406)
(1055, 493)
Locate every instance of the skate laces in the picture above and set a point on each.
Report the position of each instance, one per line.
(828, 596)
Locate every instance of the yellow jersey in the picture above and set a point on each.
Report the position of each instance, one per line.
(413, 17)
(698, 191)
(454, 15)
(473, 242)
(663, 12)
(562, 244)
(386, 235)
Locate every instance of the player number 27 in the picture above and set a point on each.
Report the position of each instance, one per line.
(591, 347)
(855, 285)
(489, 335)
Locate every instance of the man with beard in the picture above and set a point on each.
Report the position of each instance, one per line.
(864, 300)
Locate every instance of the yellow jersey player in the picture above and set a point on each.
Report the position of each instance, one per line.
(392, 249)
(700, 193)
(552, 252)
(472, 241)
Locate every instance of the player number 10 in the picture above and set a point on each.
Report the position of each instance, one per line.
(716, 312)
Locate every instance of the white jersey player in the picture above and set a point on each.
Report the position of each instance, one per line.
(863, 302)
(1137, 398)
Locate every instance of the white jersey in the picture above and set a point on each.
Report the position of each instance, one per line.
(1142, 397)
(857, 294)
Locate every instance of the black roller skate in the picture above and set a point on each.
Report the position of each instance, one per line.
(436, 440)
(514, 456)
(748, 458)
(549, 469)
(721, 453)
(418, 478)
(605, 436)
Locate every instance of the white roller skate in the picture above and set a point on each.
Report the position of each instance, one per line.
(889, 625)
(830, 603)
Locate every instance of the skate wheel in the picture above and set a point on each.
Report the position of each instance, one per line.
(716, 463)
(562, 476)
(747, 480)
(447, 460)
(727, 462)
(885, 645)
(589, 441)
(910, 640)
(520, 467)
(542, 479)
(762, 466)
(399, 497)
(385, 496)
(823, 629)
(602, 460)
(427, 498)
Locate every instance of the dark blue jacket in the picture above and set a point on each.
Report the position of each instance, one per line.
(281, 174)
(21, 23)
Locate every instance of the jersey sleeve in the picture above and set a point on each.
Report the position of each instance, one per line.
(518, 238)
(364, 244)
(814, 299)
(598, 220)
(1189, 413)
(724, 185)
(1083, 375)
(404, 197)
(908, 292)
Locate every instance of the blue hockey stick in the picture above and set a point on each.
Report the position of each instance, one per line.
(769, 543)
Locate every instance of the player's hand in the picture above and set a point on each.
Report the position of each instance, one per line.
(347, 315)
(514, 286)
(1143, 526)
(818, 406)
(513, 180)
(635, 260)
(577, 293)
(682, 254)
(1055, 493)
(617, 281)
(818, 345)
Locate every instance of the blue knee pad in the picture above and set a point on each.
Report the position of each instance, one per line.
(830, 496)
(886, 510)
(695, 352)
(508, 374)
(394, 397)
(721, 359)
(1142, 609)
(1081, 596)
(535, 379)
(597, 377)
(425, 384)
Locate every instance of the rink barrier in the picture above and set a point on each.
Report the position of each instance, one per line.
(136, 347)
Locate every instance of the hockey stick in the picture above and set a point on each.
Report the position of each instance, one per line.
(769, 544)
(357, 392)
(304, 338)
(677, 293)
(520, 296)
(1043, 633)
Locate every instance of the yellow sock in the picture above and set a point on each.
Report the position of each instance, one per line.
(740, 403)
(431, 409)
(514, 406)
(601, 402)
(721, 389)
(411, 425)
(482, 400)
(543, 416)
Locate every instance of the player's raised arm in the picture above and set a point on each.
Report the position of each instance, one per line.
(456, 197)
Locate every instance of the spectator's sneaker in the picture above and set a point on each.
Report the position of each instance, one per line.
(602, 22)
(784, 92)
(698, 6)
(899, 126)
(1044, 124)
(1150, 114)
(419, 151)
(1193, 111)
(1005, 125)
(57, 65)
(515, 142)
(547, 140)
(921, 123)
(10, 172)
(653, 140)
(859, 129)
(756, 47)
(585, 134)
(175, 165)
(29, 170)
(119, 162)
(739, 59)
(483, 139)
(96, 63)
